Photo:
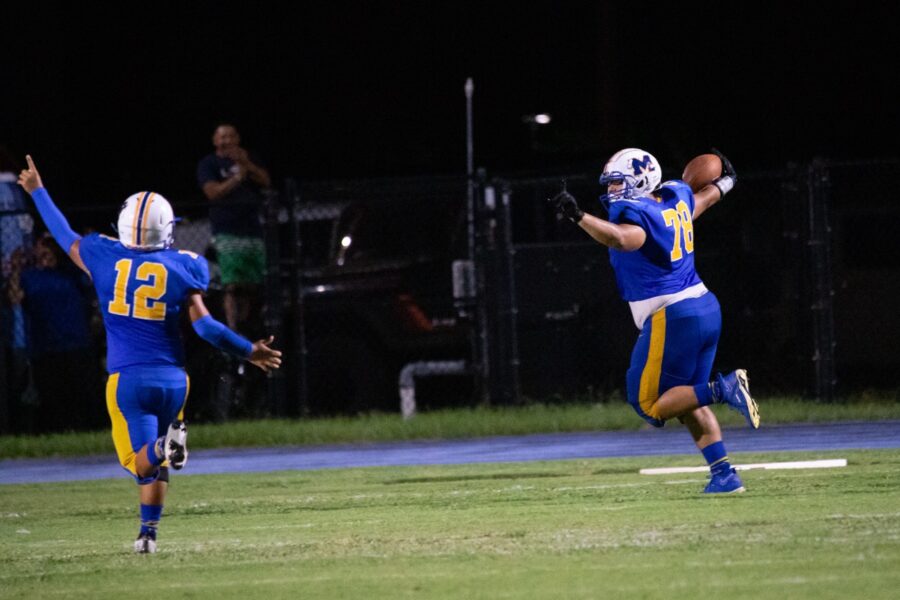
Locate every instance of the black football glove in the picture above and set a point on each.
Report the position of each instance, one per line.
(726, 181)
(567, 206)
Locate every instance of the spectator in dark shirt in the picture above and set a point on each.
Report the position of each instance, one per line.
(55, 299)
(233, 179)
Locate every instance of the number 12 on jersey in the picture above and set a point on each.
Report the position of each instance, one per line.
(146, 304)
(680, 218)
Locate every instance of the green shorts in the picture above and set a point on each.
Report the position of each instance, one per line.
(242, 260)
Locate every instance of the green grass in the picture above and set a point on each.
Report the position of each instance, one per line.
(562, 529)
(446, 424)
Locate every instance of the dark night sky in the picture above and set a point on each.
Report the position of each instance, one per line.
(366, 89)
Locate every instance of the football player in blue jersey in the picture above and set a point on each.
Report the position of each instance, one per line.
(650, 235)
(142, 284)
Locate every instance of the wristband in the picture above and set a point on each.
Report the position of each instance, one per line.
(54, 219)
(725, 184)
(222, 337)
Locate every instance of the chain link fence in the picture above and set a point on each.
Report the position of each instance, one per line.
(366, 277)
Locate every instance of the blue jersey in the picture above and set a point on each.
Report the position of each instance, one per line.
(665, 263)
(141, 294)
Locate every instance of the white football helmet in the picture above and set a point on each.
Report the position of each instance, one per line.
(637, 169)
(146, 222)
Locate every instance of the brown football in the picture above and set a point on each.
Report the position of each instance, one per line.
(701, 171)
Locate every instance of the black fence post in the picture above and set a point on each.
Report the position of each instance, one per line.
(481, 249)
(821, 288)
(298, 351)
(273, 315)
(508, 340)
(489, 298)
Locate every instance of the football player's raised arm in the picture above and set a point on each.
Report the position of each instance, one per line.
(68, 240)
(716, 190)
(705, 198)
(223, 338)
(625, 237)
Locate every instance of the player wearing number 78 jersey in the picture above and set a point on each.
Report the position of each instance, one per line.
(650, 235)
(142, 285)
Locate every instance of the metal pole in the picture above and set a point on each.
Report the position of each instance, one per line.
(470, 147)
(822, 305)
(470, 169)
(478, 336)
(510, 307)
(273, 309)
(298, 347)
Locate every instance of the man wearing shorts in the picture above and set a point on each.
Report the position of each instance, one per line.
(232, 179)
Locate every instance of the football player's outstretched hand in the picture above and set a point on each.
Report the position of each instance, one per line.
(729, 176)
(264, 357)
(727, 169)
(567, 206)
(29, 178)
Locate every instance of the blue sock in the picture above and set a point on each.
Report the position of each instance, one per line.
(704, 392)
(150, 516)
(717, 458)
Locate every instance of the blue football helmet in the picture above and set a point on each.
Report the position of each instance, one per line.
(637, 170)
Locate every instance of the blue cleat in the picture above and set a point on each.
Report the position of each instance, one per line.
(727, 482)
(734, 389)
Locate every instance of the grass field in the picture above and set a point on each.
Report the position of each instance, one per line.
(563, 529)
(613, 414)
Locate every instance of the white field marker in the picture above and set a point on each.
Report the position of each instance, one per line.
(799, 464)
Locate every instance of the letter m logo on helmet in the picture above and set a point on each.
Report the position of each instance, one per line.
(639, 164)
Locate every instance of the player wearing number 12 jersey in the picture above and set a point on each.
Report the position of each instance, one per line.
(650, 235)
(142, 285)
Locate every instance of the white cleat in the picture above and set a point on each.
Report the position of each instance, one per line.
(145, 545)
(176, 445)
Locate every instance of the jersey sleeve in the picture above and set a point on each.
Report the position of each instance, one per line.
(89, 249)
(624, 212)
(678, 190)
(197, 270)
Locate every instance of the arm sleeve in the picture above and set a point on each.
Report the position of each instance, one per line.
(198, 272)
(88, 250)
(222, 338)
(54, 219)
(630, 215)
(677, 189)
